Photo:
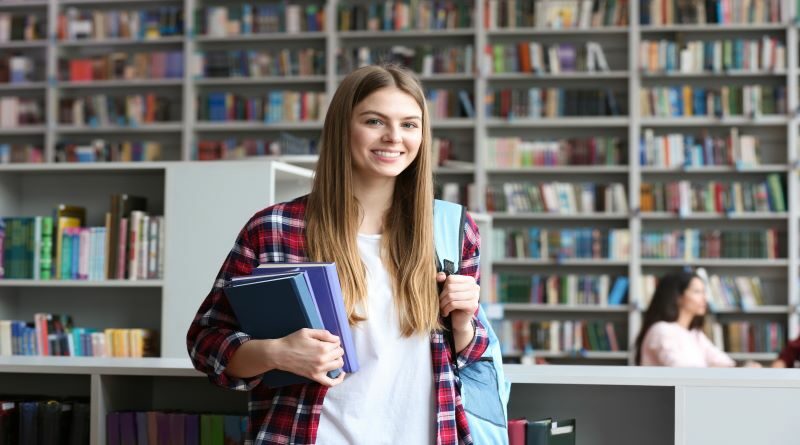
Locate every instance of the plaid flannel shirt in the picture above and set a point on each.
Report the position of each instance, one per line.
(290, 415)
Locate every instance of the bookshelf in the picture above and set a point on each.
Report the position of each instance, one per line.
(182, 135)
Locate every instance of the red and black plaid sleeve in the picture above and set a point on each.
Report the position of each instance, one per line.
(214, 334)
(470, 265)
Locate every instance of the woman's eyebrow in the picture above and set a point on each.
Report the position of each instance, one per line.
(387, 117)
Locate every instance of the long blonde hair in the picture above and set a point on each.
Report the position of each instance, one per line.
(333, 212)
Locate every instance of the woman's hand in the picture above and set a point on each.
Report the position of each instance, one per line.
(310, 353)
(459, 300)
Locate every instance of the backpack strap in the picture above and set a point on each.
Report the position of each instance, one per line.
(448, 237)
(448, 234)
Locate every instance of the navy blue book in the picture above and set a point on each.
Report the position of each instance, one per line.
(328, 296)
(275, 306)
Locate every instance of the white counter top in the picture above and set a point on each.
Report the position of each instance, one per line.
(180, 367)
(551, 374)
(653, 376)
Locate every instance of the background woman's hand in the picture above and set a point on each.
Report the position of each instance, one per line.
(459, 299)
(311, 353)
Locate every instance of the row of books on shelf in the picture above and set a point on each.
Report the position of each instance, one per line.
(20, 153)
(558, 336)
(16, 68)
(443, 153)
(33, 249)
(20, 111)
(743, 292)
(696, 150)
(538, 102)
(55, 335)
(465, 194)
(563, 198)
(614, 244)
(555, 14)
(160, 427)
(123, 66)
(256, 18)
(536, 57)
(150, 23)
(514, 152)
(722, 291)
(712, 56)
(733, 100)
(104, 110)
(689, 244)
(685, 197)
(579, 336)
(234, 148)
(39, 247)
(577, 243)
(101, 150)
(566, 289)
(669, 12)
(422, 59)
(255, 63)
(444, 104)
(404, 15)
(274, 106)
(753, 336)
(21, 27)
(44, 421)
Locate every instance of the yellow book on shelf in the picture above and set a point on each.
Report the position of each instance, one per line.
(687, 100)
(110, 347)
(65, 216)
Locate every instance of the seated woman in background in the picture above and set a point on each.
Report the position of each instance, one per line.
(672, 333)
(789, 356)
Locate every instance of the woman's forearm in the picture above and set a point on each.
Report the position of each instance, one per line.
(253, 358)
(463, 336)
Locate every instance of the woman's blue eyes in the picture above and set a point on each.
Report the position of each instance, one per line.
(379, 122)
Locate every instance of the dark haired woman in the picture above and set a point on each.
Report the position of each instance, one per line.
(672, 333)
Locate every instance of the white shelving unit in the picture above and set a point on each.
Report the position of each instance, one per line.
(781, 136)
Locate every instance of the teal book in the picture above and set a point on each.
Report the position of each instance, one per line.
(274, 306)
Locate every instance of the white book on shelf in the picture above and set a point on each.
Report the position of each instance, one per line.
(555, 328)
(5, 27)
(600, 56)
(585, 20)
(293, 17)
(603, 283)
(216, 21)
(6, 345)
(144, 246)
(9, 112)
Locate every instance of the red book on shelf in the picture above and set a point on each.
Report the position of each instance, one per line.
(80, 70)
(516, 431)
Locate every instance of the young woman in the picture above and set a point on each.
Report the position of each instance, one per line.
(370, 211)
(672, 332)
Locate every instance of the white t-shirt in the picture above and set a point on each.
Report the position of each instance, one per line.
(390, 399)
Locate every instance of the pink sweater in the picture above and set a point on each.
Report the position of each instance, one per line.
(670, 344)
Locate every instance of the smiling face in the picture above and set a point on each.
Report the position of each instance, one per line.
(385, 134)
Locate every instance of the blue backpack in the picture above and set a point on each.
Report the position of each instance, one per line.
(484, 389)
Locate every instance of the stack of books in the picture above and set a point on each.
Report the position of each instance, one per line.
(278, 299)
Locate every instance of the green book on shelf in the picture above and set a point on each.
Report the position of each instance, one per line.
(211, 430)
(776, 193)
(46, 253)
(550, 432)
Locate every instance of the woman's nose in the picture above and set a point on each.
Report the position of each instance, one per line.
(392, 135)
